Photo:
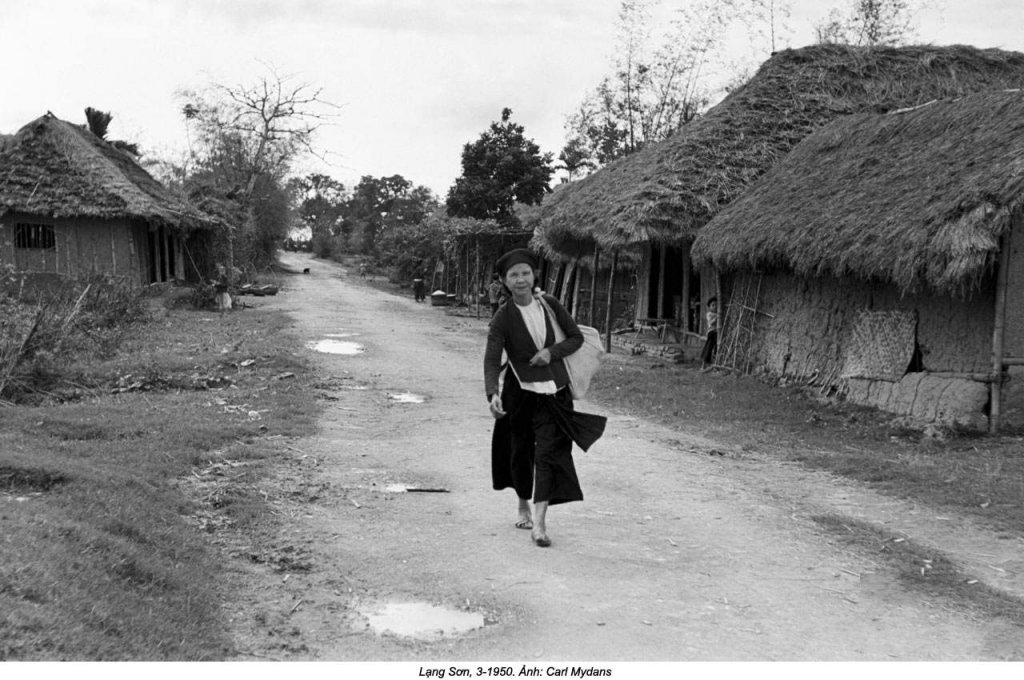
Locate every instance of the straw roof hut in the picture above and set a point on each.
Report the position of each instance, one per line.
(667, 191)
(895, 240)
(916, 198)
(72, 204)
(653, 203)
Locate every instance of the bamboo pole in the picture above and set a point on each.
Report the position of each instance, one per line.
(611, 297)
(998, 336)
(593, 286)
(479, 274)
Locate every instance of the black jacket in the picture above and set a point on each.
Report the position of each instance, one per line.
(508, 332)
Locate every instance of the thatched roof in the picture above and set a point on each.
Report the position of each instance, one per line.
(917, 198)
(56, 169)
(667, 191)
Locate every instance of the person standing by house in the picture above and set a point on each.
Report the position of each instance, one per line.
(495, 292)
(419, 287)
(707, 354)
(535, 423)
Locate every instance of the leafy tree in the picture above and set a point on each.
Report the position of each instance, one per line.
(98, 121)
(574, 158)
(870, 22)
(499, 169)
(383, 203)
(322, 206)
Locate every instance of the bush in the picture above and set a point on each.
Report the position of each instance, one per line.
(41, 331)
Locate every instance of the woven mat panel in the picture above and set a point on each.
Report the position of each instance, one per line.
(880, 345)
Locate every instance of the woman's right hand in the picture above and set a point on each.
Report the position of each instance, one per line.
(495, 407)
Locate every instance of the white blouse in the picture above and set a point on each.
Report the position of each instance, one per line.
(533, 315)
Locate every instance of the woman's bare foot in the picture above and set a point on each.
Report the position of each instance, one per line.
(525, 520)
(540, 538)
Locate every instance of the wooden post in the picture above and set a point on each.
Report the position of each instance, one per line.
(659, 309)
(685, 311)
(566, 291)
(998, 335)
(479, 274)
(593, 287)
(113, 250)
(608, 312)
(576, 289)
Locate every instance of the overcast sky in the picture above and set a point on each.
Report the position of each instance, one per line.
(416, 79)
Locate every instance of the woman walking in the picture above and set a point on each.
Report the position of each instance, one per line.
(535, 424)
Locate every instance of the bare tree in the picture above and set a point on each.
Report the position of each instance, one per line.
(661, 81)
(248, 135)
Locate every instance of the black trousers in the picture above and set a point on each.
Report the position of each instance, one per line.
(531, 450)
(707, 354)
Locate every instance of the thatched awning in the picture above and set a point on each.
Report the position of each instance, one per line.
(668, 191)
(56, 169)
(917, 198)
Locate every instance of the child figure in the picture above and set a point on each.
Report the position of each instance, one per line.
(707, 354)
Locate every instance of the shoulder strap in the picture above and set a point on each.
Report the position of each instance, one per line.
(555, 326)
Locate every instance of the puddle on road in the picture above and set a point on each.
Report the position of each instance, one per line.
(340, 335)
(419, 620)
(407, 398)
(333, 346)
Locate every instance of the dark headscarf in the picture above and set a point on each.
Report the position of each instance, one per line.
(514, 257)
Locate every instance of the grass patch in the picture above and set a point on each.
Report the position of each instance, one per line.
(979, 475)
(102, 558)
(925, 571)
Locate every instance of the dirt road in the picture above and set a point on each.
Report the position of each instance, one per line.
(675, 554)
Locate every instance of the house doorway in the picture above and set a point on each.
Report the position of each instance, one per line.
(674, 287)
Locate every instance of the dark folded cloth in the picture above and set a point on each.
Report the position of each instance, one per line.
(584, 428)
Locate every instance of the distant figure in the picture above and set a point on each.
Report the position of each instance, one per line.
(222, 289)
(306, 270)
(707, 354)
(419, 288)
(495, 293)
(362, 270)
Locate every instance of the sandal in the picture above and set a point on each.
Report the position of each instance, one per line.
(542, 541)
(525, 523)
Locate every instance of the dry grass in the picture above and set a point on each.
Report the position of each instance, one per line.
(982, 476)
(103, 558)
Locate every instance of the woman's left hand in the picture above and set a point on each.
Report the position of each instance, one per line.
(541, 358)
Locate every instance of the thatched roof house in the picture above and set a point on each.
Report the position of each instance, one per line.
(667, 191)
(917, 198)
(901, 233)
(72, 204)
(656, 201)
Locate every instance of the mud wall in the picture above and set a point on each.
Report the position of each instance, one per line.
(803, 328)
(1014, 334)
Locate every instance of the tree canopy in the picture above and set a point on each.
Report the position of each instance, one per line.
(501, 168)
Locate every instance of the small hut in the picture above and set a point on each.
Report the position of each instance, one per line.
(883, 260)
(73, 205)
(654, 202)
